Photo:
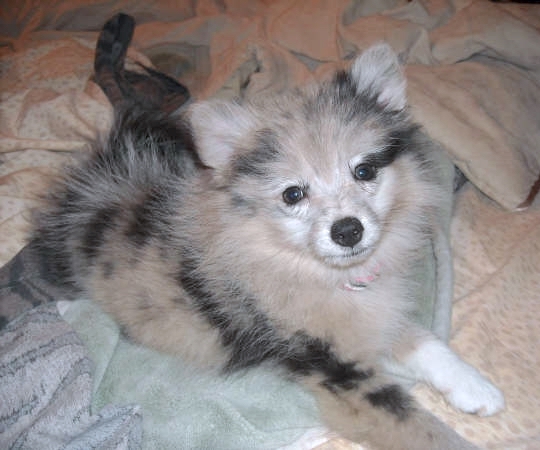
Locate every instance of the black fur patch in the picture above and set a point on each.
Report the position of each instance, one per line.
(399, 142)
(252, 338)
(393, 399)
(151, 133)
(147, 217)
(254, 162)
(53, 258)
(313, 355)
(247, 333)
(108, 269)
(382, 158)
(141, 227)
(94, 234)
(349, 101)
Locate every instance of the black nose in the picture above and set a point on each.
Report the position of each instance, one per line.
(347, 232)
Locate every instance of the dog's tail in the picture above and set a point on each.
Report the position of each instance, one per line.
(150, 89)
(111, 49)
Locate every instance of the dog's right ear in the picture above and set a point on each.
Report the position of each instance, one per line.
(218, 129)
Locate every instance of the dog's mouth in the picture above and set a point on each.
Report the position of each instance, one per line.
(348, 257)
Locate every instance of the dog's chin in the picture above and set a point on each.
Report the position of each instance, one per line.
(348, 258)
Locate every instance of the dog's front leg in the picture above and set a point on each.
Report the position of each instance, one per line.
(433, 362)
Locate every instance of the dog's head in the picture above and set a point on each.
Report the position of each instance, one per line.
(325, 170)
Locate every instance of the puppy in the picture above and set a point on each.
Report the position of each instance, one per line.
(278, 231)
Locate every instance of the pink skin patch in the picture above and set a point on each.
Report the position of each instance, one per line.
(361, 282)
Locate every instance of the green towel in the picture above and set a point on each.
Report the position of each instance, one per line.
(183, 408)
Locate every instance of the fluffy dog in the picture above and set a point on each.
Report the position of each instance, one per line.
(277, 231)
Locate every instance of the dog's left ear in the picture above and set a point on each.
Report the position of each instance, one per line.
(377, 72)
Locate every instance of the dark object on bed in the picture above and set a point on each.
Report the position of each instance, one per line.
(149, 88)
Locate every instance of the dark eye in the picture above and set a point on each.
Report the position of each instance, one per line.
(365, 172)
(293, 195)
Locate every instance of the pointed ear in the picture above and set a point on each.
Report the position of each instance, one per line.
(377, 72)
(218, 126)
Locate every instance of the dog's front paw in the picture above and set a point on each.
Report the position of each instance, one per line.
(462, 385)
(472, 393)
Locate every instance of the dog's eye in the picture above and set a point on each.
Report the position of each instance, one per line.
(365, 172)
(293, 195)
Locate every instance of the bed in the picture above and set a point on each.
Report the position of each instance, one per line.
(68, 378)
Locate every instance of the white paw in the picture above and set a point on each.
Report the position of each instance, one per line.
(472, 393)
(462, 385)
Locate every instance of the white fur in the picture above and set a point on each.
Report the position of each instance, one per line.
(217, 125)
(378, 70)
(462, 385)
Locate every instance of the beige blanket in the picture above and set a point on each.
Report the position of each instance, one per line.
(474, 83)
